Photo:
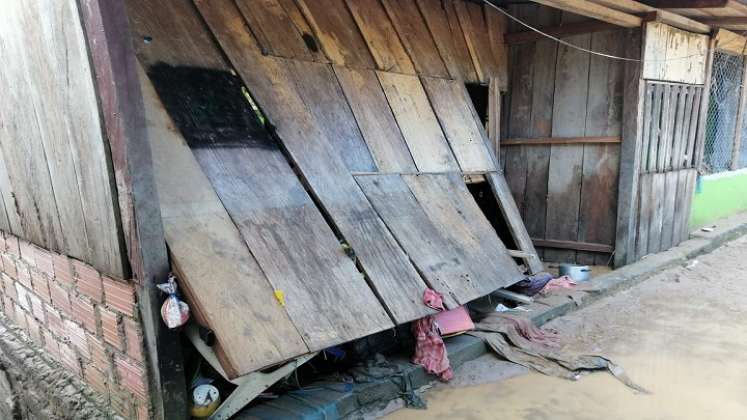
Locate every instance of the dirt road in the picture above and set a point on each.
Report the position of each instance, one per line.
(681, 334)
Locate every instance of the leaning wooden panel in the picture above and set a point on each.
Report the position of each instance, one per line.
(418, 123)
(323, 95)
(391, 275)
(464, 132)
(219, 275)
(445, 264)
(414, 34)
(375, 119)
(335, 29)
(275, 31)
(382, 39)
(453, 210)
(472, 19)
(449, 38)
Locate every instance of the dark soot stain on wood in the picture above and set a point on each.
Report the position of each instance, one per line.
(209, 107)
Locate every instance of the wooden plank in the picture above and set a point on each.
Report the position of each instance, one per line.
(630, 154)
(687, 206)
(573, 245)
(693, 129)
(595, 11)
(728, 41)
(275, 31)
(463, 130)
(494, 118)
(8, 198)
(419, 125)
(562, 140)
(449, 38)
(682, 158)
(667, 119)
(679, 141)
(670, 210)
(445, 264)
(414, 34)
(472, 20)
(453, 210)
(375, 119)
(513, 219)
(648, 124)
(645, 212)
(497, 24)
(218, 271)
(666, 16)
(578, 28)
(320, 90)
(705, 97)
(674, 55)
(378, 31)
(680, 211)
(658, 191)
(335, 29)
(736, 149)
(656, 129)
(566, 161)
(393, 278)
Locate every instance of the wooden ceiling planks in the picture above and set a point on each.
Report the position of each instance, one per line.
(414, 33)
(276, 33)
(382, 39)
(375, 119)
(394, 279)
(217, 270)
(418, 123)
(336, 31)
(459, 121)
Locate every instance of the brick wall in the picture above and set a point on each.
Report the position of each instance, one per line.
(86, 321)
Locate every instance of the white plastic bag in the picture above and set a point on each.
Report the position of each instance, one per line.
(174, 312)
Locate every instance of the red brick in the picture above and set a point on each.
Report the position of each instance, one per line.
(99, 357)
(11, 245)
(9, 286)
(134, 342)
(54, 322)
(84, 312)
(142, 411)
(37, 307)
(69, 358)
(110, 328)
(77, 336)
(60, 298)
(22, 294)
(96, 380)
(120, 295)
(43, 260)
(51, 345)
(132, 377)
(88, 280)
(41, 286)
(122, 401)
(23, 275)
(63, 271)
(27, 252)
(34, 329)
(9, 266)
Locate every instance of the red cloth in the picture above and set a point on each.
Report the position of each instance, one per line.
(559, 283)
(430, 350)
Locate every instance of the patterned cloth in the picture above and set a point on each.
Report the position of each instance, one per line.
(430, 350)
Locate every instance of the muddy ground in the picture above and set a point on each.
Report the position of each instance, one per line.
(681, 334)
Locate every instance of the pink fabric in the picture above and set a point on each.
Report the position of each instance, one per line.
(559, 283)
(430, 350)
(454, 321)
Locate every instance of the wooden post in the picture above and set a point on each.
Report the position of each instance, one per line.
(110, 47)
(630, 152)
(735, 152)
(704, 102)
(494, 118)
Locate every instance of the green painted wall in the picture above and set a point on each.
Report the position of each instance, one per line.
(719, 195)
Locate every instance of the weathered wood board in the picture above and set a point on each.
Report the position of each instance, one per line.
(674, 55)
(274, 29)
(646, 203)
(658, 190)
(412, 30)
(464, 132)
(217, 270)
(59, 180)
(375, 119)
(440, 16)
(390, 273)
(452, 209)
(669, 210)
(419, 125)
(477, 36)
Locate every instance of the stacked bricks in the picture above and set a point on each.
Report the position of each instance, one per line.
(86, 321)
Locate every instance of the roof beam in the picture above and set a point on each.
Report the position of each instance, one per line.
(664, 16)
(595, 11)
(686, 4)
(725, 21)
(586, 27)
(730, 42)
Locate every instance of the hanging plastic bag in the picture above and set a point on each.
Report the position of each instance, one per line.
(174, 312)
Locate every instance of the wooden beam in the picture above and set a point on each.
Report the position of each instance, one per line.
(560, 140)
(630, 153)
(686, 4)
(578, 246)
(704, 103)
(728, 41)
(594, 11)
(725, 21)
(586, 27)
(736, 151)
(664, 16)
(111, 52)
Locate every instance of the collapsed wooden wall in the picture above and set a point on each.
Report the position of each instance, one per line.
(567, 192)
(56, 181)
